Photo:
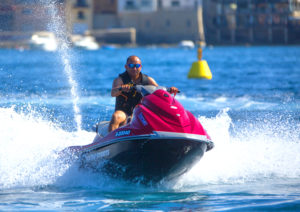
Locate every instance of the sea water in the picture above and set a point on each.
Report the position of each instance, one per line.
(251, 110)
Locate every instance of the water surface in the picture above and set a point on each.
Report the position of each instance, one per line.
(250, 108)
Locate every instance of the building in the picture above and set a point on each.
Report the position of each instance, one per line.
(173, 4)
(6, 16)
(105, 6)
(215, 22)
(252, 21)
(294, 21)
(79, 16)
(142, 6)
(20, 19)
(105, 14)
(219, 22)
(155, 21)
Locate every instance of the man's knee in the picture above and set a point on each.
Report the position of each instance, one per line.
(118, 116)
(118, 119)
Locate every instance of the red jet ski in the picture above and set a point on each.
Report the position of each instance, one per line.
(162, 141)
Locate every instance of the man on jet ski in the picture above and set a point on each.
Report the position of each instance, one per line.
(126, 98)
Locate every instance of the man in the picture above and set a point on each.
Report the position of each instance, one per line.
(127, 99)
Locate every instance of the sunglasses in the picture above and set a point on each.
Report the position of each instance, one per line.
(130, 65)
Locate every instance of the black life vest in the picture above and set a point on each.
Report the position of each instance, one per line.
(127, 101)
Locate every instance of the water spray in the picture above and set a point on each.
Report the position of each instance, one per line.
(57, 25)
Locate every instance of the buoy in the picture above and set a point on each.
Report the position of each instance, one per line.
(200, 68)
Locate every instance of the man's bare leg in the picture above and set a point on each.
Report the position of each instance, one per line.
(118, 119)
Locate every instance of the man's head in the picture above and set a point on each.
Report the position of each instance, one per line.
(133, 66)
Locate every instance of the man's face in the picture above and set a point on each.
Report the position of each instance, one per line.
(134, 67)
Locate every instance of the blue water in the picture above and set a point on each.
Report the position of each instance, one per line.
(251, 109)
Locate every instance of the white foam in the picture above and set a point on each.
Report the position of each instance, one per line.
(88, 100)
(236, 103)
(29, 148)
(221, 99)
(254, 154)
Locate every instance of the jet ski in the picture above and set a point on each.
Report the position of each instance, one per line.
(161, 142)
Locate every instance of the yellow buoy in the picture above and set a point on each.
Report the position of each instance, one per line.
(200, 68)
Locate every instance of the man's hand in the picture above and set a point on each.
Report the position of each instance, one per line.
(173, 90)
(126, 88)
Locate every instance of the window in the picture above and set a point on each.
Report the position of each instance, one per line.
(147, 23)
(262, 7)
(129, 5)
(26, 11)
(188, 23)
(81, 3)
(168, 23)
(159, 4)
(27, 28)
(6, 22)
(80, 15)
(175, 4)
(242, 5)
(146, 3)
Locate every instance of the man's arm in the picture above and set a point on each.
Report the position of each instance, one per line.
(115, 87)
(152, 81)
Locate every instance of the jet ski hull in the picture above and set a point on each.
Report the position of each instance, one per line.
(146, 159)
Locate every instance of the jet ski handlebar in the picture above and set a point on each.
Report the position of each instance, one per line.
(148, 89)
